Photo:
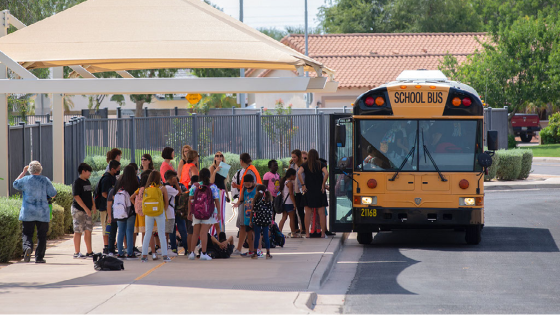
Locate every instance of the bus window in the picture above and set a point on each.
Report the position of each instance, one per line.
(384, 144)
(452, 144)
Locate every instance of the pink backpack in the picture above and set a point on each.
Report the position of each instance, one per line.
(138, 201)
(203, 203)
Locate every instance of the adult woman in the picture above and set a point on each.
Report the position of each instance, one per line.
(146, 163)
(114, 154)
(313, 186)
(201, 226)
(167, 154)
(190, 169)
(295, 163)
(220, 182)
(184, 151)
(36, 190)
(129, 183)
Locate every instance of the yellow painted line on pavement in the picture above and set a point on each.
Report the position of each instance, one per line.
(147, 273)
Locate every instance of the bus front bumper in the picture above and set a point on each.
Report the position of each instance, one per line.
(377, 218)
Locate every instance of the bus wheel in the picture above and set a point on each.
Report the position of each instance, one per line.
(525, 137)
(472, 236)
(365, 238)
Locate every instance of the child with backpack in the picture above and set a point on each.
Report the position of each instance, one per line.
(261, 217)
(154, 203)
(173, 189)
(246, 199)
(136, 198)
(178, 208)
(203, 211)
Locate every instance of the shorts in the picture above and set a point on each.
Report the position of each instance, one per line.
(103, 219)
(169, 225)
(289, 208)
(196, 221)
(190, 229)
(248, 228)
(82, 221)
(140, 224)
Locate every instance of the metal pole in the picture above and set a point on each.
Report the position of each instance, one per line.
(22, 124)
(119, 113)
(308, 100)
(38, 122)
(176, 111)
(258, 134)
(241, 71)
(194, 132)
(132, 139)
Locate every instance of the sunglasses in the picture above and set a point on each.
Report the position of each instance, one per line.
(305, 159)
(144, 159)
(219, 155)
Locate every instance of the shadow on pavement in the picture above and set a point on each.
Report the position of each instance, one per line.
(494, 239)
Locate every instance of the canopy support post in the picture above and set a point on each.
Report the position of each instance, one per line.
(58, 130)
(4, 146)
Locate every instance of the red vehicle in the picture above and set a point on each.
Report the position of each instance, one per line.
(525, 126)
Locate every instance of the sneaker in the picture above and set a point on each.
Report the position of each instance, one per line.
(131, 257)
(79, 256)
(154, 257)
(144, 259)
(247, 254)
(40, 261)
(205, 257)
(191, 256)
(329, 233)
(166, 259)
(171, 254)
(236, 252)
(121, 257)
(174, 251)
(111, 254)
(136, 251)
(89, 255)
(27, 254)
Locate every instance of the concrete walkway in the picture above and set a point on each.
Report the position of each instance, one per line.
(235, 285)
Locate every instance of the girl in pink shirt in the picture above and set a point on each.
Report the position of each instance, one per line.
(271, 180)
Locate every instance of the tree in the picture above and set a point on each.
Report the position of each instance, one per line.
(516, 69)
(351, 16)
(210, 101)
(279, 126)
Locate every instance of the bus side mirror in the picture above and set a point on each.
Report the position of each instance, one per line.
(340, 136)
(492, 140)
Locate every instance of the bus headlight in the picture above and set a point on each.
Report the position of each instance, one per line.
(369, 200)
(466, 201)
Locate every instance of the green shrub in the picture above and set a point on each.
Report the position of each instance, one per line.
(98, 163)
(551, 133)
(526, 164)
(10, 228)
(492, 170)
(512, 143)
(64, 198)
(509, 166)
(95, 178)
(56, 226)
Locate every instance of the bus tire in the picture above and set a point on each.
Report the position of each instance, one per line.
(525, 137)
(472, 235)
(365, 238)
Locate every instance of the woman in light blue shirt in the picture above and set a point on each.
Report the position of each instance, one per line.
(36, 189)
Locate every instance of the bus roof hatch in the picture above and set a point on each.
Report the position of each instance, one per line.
(422, 75)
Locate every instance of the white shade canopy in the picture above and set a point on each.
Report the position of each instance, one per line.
(113, 35)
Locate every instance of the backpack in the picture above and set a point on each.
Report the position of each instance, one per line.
(182, 205)
(263, 213)
(277, 236)
(138, 201)
(106, 263)
(97, 196)
(121, 205)
(152, 201)
(279, 203)
(203, 203)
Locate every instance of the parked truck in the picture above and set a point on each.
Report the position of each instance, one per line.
(525, 126)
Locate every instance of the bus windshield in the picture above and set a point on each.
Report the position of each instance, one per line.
(384, 144)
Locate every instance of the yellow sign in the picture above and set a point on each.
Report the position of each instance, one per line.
(193, 98)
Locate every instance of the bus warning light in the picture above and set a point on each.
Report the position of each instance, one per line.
(369, 101)
(372, 183)
(379, 101)
(418, 86)
(464, 184)
(456, 101)
(467, 102)
(403, 87)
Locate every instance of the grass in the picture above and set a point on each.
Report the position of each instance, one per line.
(546, 150)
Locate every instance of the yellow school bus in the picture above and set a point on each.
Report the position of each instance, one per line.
(410, 156)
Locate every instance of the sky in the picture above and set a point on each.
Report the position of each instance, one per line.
(273, 13)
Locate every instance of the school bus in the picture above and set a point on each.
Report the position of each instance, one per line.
(410, 156)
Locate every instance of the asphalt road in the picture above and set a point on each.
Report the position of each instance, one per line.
(515, 269)
(546, 168)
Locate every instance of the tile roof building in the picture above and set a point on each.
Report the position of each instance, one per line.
(364, 61)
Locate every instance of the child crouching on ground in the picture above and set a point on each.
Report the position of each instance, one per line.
(261, 218)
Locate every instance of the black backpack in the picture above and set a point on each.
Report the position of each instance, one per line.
(277, 236)
(105, 263)
(278, 203)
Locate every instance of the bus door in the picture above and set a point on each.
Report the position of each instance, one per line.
(340, 173)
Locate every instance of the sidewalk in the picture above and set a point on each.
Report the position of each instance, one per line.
(535, 181)
(235, 285)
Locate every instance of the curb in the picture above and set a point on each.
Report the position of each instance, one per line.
(521, 186)
(324, 267)
(306, 301)
(546, 159)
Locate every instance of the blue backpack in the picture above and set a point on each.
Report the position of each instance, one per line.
(277, 237)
